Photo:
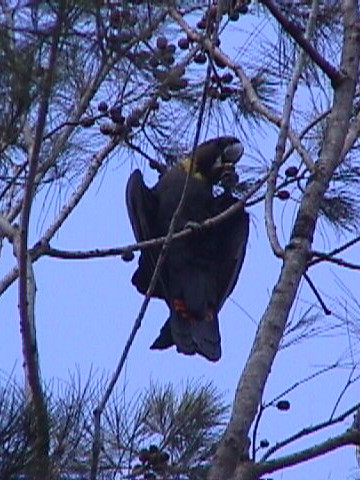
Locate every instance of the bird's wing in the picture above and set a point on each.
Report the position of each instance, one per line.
(141, 204)
(232, 236)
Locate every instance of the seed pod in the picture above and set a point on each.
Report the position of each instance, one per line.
(283, 194)
(115, 18)
(220, 62)
(176, 83)
(154, 62)
(168, 59)
(200, 58)
(116, 116)
(243, 9)
(211, 13)
(128, 256)
(106, 129)
(234, 16)
(212, 92)
(291, 171)
(171, 48)
(201, 25)
(133, 119)
(183, 43)
(102, 107)
(149, 476)
(161, 43)
(283, 405)
(124, 37)
(154, 104)
(227, 77)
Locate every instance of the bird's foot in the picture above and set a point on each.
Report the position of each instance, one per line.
(194, 226)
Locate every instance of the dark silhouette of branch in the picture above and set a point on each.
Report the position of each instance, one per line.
(330, 256)
(42, 247)
(159, 167)
(334, 75)
(338, 261)
(317, 294)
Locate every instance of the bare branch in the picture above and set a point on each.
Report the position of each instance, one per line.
(334, 75)
(350, 437)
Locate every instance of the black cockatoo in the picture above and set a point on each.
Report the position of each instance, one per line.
(201, 270)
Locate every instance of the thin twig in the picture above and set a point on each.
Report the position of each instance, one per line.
(329, 256)
(300, 382)
(271, 403)
(317, 294)
(255, 430)
(349, 382)
(338, 261)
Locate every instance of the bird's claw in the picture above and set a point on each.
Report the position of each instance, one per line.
(194, 226)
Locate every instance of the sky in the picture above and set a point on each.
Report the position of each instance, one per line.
(85, 310)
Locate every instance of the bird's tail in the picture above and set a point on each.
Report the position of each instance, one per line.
(190, 335)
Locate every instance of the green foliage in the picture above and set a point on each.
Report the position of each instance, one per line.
(164, 431)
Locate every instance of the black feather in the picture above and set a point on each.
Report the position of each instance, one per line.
(201, 270)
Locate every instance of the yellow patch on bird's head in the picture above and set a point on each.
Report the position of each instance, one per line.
(185, 164)
(213, 158)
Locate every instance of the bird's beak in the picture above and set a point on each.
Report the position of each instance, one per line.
(232, 153)
(230, 156)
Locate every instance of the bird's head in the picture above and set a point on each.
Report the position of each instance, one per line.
(215, 157)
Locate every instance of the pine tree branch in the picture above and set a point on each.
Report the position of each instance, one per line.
(282, 137)
(350, 437)
(250, 92)
(330, 256)
(233, 447)
(334, 75)
(337, 261)
(42, 247)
